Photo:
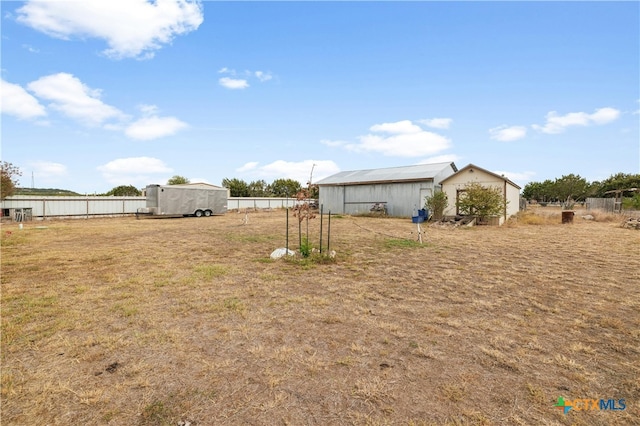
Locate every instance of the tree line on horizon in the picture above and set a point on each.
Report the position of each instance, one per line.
(576, 188)
(568, 187)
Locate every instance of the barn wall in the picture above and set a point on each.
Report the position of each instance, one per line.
(402, 199)
(332, 199)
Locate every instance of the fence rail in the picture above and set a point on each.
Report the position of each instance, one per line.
(45, 207)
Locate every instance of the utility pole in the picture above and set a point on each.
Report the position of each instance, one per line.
(311, 175)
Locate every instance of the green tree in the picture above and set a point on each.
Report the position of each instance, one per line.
(285, 187)
(236, 187)
(177, 180)
(124, 191)
(482, 202)
(258, 188)
(539, 191)
(632, 203)
(617, 181)
(8, 179)
(570, 188)
(436, 204)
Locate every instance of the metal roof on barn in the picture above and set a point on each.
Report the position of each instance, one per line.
(387, 175)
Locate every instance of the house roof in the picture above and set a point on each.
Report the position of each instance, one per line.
(473, 166)
(390, 174)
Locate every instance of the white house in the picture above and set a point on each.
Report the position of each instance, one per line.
(454, 186)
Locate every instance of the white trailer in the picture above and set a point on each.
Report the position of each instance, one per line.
(185, 200)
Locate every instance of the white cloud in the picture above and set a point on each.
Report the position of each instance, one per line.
(521, 178)
(604, 116)
(508, 133)
(334, 143)
(74, 99)
(16, 101)
(148, 128)
(47, 169)
(241, 83)
(447, 158)
(132, 28)
(137, 171)
(406, 140)
(437, 123)
(558, 123)
(233, 83)
(297, 170)
(248, 166)
(263, 76)
(30, 48)
(148, 110)
(402, 127)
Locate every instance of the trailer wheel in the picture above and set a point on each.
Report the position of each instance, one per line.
(207, 213)
(198, 213)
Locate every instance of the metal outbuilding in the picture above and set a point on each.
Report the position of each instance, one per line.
(401, 190)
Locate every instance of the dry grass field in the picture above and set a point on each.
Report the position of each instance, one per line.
(188, 321)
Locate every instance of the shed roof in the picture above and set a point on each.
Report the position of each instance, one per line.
(199, 185)
(473, 166)
(389, 174)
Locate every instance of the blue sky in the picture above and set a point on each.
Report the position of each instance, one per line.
(98, 94)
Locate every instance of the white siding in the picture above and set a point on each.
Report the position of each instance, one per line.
(463, 177)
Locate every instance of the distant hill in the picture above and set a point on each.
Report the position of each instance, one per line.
(48, 192)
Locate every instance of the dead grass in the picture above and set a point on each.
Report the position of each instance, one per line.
(153, 322)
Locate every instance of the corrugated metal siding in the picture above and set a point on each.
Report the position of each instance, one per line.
(356, 195)
(402, 199)
(83, 206)
(75, 206)
(260, 203)
(332, 199)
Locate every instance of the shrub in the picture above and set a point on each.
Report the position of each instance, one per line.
(305, 247)
(482, 202)
(436, 204)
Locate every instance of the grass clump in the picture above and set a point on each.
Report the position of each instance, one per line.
(401, 243)
(209, 272)
(156, 413)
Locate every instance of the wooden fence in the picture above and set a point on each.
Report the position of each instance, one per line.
(606, 204)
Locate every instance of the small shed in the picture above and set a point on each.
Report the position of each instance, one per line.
(454, 186)
(401, 191)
